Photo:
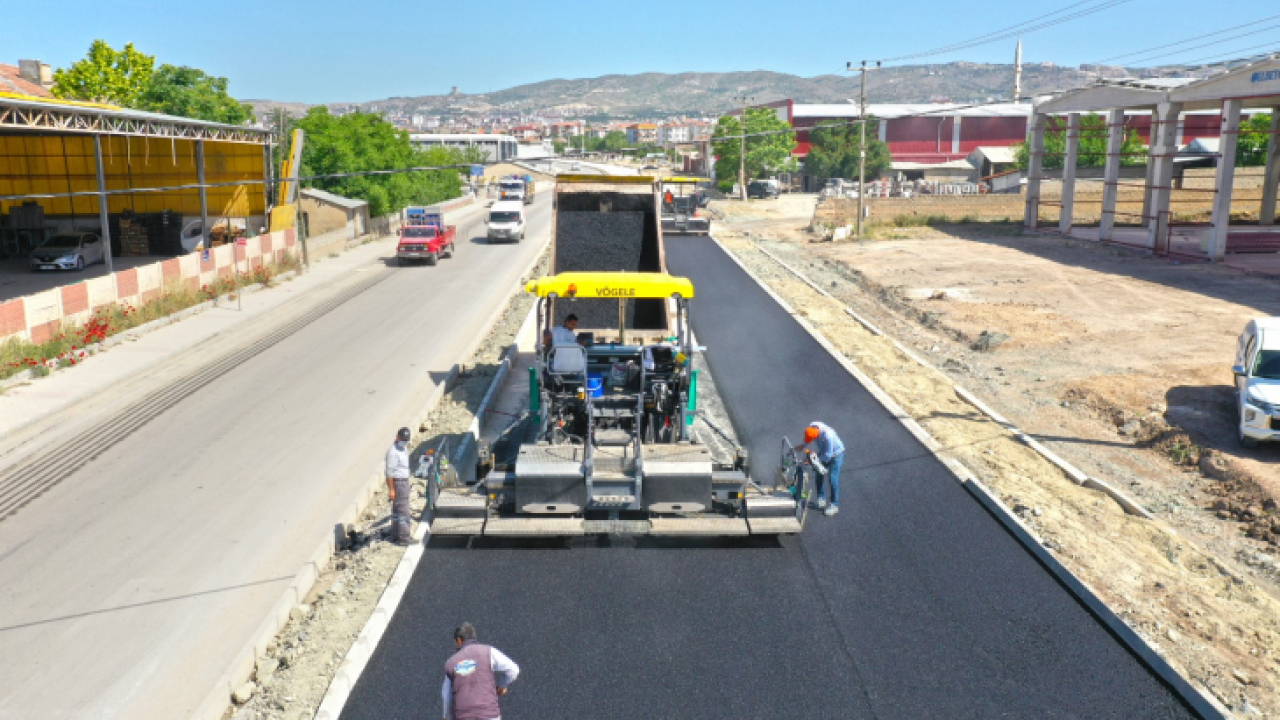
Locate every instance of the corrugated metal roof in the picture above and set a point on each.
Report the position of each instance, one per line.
(895, 110)
(328, 197)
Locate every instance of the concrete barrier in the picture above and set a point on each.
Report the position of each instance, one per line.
(40, 317)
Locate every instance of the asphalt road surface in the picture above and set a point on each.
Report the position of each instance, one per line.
(127, 589)
(912, 602)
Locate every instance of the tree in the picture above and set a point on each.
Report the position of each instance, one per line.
(105, 75)
(1251, 148)
(1093, 145)
(612, 142)
(558, 146)
(189, 92)
(361, 142)
(835, 149)
(766, 153)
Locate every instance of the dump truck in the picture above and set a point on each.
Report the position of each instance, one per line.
(682, 207)
(517, 187)
(605, 445)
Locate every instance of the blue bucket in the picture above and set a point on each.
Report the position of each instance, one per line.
(595, 384)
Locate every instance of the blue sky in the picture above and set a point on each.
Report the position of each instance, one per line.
(330, 51)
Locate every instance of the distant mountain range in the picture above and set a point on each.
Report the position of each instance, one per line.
(651, 95)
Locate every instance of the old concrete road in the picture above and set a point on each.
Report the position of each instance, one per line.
(128, 587)
(912, 602)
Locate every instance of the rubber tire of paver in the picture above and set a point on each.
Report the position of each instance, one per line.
(433, 258)
(401, 262)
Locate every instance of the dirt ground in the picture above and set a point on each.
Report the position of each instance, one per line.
(300, 663)
(1120, 364)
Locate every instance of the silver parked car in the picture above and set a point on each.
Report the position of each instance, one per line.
(68, 251)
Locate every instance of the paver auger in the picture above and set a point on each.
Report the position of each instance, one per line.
(605, 446)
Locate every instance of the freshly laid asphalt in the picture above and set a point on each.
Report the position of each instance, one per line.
(912, 602)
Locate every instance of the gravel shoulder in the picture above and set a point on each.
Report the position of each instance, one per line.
(1071, 341)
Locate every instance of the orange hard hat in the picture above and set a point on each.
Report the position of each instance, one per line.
(810, 434)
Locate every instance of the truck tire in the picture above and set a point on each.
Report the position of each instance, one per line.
(433, 258)
(448, 252)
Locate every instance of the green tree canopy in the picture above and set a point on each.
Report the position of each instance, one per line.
(362, 141)
(105, 75)
(189, 92)
(1251, 148)
(766, 153)
(612, 142)
(1093, 145)
(835, 149)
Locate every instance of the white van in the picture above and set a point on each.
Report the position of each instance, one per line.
(506, 221)
(1257, 372)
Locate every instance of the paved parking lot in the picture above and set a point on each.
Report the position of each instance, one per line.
(16, 279)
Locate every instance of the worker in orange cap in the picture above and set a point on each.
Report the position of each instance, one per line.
(827, 459)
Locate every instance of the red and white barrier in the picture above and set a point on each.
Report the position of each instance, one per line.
(41, 316)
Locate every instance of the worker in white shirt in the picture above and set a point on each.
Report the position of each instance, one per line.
(398, 488)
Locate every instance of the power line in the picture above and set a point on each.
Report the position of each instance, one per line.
(1183, 42)
(1208, 44)
(1037, 23)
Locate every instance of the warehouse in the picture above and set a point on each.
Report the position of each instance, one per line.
(1170, 106)
(56, 156)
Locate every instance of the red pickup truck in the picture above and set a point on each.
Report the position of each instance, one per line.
(426, 243)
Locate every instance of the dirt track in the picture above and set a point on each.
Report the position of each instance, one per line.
(1119, 363)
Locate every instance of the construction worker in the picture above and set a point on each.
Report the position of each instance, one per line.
(475, 677)
(668, 201)
(398, 488)
(829, 458)
(566, 334)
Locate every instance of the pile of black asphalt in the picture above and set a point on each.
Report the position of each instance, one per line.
(912, 602)
(618, 241)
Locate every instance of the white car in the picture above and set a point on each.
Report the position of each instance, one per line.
(1257, 372)
(68, 251)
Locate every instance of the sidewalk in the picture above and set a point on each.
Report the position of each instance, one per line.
(26, 404)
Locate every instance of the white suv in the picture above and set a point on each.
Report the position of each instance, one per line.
(1257, 372)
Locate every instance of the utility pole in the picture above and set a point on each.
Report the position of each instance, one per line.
(742, 150)
(862, 147)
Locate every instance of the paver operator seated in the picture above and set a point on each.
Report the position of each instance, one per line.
(829, 458)
(566, 334)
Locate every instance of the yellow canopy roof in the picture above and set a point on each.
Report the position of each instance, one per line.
(683, 180)
(611, 285)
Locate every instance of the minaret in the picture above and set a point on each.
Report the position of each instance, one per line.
(1017, 72)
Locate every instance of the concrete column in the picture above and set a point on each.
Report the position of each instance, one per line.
(204, 200)
(1111, 175)
(1164, 143)
(1271, 179)
(955, 135)
(103, 208)
(1147, 186)
(1035, 165)
(1069, 160)
(1221, 223)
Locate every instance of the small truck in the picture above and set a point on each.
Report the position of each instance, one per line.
(424, 237)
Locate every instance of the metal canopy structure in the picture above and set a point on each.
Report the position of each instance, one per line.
(1255, 85)
(79, 161)
(18, 112)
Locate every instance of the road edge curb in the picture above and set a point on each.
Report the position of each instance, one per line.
(240, 671)
(1196, 700)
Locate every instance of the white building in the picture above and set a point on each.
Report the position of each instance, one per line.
(496, 148)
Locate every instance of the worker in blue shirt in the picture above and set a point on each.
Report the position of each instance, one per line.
(828, 458)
